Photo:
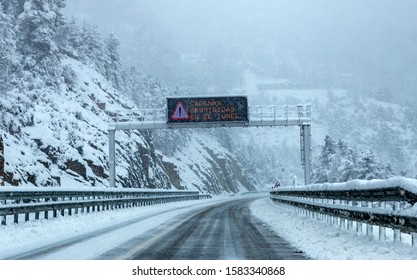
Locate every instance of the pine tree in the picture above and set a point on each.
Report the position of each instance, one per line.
(69, 39)
(328, 151)
(336, 163)
(92, 50)
(145, 91)
(348, 160)
(8, 55)
(113, 64)
(36, 28)
(369, 168)
(13, 7)
(388, 171)
(323, 165)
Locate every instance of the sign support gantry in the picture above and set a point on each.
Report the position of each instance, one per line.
(210, 112)
(305, 145)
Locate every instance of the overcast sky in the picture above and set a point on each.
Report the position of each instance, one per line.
(375, 39)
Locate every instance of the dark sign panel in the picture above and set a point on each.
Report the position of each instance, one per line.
(207, 109)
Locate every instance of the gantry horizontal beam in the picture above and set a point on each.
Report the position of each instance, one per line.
(252, 123)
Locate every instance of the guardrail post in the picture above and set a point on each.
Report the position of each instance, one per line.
(275, 114)
(286, 114)
(414, 239)
(359, 228)
(359, 225)
(397, 232)
(381, 229)
(349, 223)
(369, 231)
(262, 116)
(370, 227)
(381, 235)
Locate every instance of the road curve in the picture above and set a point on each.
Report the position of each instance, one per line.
(225, 231)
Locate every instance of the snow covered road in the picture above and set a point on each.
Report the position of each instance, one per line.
(76, 237)
(225, 231)
(219, 229)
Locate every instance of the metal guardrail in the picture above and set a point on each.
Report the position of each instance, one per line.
(255, 193)
(382, 207)
(375, 194)
(18, 203)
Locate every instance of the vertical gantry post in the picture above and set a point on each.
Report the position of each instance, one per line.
(306, 152)
(112, 158)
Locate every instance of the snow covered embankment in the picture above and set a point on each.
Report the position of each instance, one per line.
(321, 240)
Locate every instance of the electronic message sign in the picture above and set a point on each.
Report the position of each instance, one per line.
(207, 109)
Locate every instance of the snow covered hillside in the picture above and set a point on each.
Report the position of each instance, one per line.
(65, 140)
(59, 80)
(62, 82)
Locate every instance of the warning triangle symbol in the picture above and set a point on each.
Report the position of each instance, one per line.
(180, 113)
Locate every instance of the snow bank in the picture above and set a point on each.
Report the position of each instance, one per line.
(320, 240)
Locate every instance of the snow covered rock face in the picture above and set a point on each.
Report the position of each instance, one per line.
(65, 143)
(205, 165)
(55, 79)
(58, 83)
(60, 137)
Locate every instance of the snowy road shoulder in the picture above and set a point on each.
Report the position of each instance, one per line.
(317, 239)
(19, 238)
(326, 242)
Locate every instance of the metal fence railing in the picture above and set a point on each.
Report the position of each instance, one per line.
(30, 204)
(367, 210)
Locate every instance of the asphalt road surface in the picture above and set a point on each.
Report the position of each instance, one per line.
(225, 231)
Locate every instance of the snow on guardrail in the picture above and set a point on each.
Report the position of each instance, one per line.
(386, 204)
(404, 183)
